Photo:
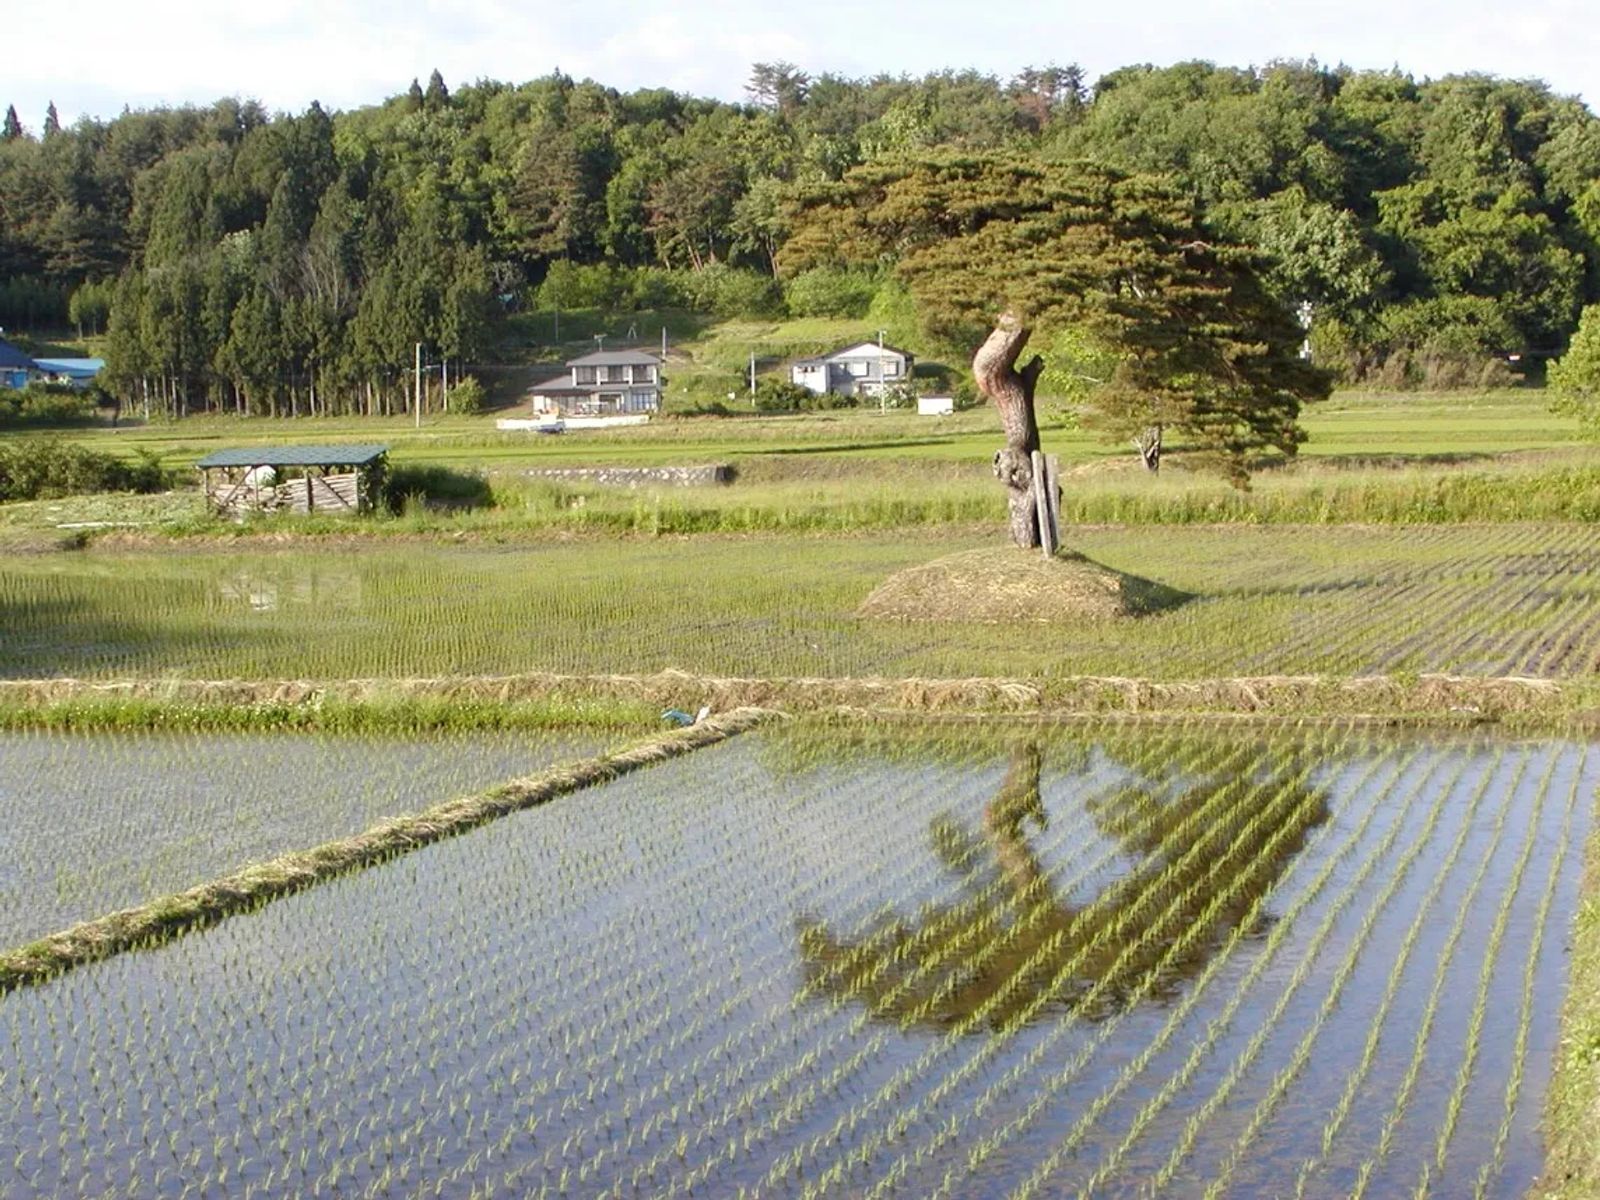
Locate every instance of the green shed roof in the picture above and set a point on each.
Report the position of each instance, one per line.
(295, 456)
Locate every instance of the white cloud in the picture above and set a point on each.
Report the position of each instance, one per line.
(347, 53)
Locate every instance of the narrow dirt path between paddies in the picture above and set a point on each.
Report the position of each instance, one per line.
(161, 920)
(70, 703)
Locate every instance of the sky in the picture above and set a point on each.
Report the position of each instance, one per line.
(93, 57)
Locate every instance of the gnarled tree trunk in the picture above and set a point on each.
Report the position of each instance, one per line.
(1148, 443)
(1011, 389)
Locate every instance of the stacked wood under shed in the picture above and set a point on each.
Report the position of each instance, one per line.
(324, 480)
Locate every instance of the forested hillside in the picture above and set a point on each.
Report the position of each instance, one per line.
(1426, 230)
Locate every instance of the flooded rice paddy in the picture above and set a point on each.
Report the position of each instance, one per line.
(1142, 963)
(93, 823)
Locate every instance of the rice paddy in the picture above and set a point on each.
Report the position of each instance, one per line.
(1135, 961)
(966, 956)
(92, 824)
(1511, 599)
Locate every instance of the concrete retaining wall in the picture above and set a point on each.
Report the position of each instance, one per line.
(636, 477)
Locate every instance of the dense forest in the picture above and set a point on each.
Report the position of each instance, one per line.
(1426, 232)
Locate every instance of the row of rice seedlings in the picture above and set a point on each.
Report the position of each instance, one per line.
(1302, 1052)
(1185, 842)
(1486, 646)
(1491, 1165)
(645, 1113)
(638, 1173)
(738, 1106)
(1560, 649)
(1195, 929)
(1201, 1049)
(1416, 607)
(1491, 592)
(1491, 963)
(466, 1002)
(869, 1051)
(1341, 1109)
(1519, 648)
(1045, 1093)
(1412, 598)
(154, 814)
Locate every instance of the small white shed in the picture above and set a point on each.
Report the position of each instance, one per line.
(935, 406)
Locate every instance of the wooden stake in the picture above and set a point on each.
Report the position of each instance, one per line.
(1047, 540)
(1052, 495)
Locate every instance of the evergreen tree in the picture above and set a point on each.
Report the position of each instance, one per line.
(52, 121)
(13, 126)
(437, 95)
(1010, 245)
(414, 97)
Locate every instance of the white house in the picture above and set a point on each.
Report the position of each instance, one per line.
(863, 369)
(602, 384)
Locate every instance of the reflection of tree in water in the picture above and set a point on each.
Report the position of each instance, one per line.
(1206, 854)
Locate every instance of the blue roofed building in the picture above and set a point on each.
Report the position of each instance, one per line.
(14, 366)
(75, 372)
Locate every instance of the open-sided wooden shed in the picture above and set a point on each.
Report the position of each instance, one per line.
(328, 480)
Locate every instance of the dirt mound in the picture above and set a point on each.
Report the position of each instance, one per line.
(1007, 584)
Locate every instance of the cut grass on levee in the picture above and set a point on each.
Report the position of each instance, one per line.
(1002, 586)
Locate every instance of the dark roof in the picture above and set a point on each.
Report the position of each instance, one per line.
(616, 358)
(295, 456)
(12, 358)
(561, 385)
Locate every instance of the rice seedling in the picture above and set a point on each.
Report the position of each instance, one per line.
(149, 815)
(956, 963)
(1507, 600)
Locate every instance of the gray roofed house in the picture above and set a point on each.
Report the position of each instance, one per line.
(616, 358)
(859, 369)
(605, 383)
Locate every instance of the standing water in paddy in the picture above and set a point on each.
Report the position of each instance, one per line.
(1147, 962)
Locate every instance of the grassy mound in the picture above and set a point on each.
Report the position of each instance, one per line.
(1007, 584)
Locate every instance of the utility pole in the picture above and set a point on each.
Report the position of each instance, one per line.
(882, 381)
(752, 376)
(417, 377)
(663, 344)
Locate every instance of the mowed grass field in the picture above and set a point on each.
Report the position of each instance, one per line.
(1408, 426)
(1371, 459)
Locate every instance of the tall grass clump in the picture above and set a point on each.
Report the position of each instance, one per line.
(43, 468)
